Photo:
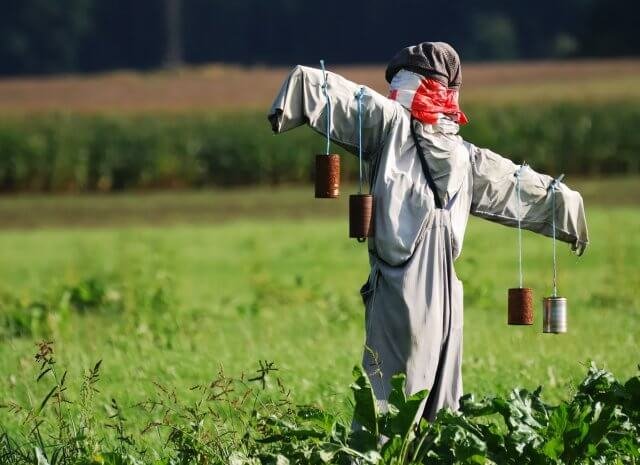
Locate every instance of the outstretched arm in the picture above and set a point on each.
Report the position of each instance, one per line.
(301, 100)
(495, 198)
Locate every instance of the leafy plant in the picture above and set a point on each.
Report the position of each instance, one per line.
(95, 294)
(74, 152)
(251, 420)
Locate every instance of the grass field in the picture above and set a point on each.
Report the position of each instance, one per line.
(197, 295)
(231, 88)
(172, 287)
(162, 208)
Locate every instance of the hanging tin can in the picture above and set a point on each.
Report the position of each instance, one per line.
(360, 205)
(554, 308)
(520, 299)
(554, 315)
(361, 216)
(327, 164)
(520, 310)
(327, 176)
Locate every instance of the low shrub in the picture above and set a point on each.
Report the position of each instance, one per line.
(252, 420)
(73, 152)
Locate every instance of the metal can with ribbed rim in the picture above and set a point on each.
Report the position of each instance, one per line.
(554, 315)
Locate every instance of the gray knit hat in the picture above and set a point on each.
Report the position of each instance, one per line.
(436, 60)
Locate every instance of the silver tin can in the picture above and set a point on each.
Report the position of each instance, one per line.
(554, 315)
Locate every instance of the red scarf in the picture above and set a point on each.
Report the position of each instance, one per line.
(426, 98)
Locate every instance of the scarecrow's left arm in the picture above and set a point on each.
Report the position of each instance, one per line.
(495, 198)
(301, 100)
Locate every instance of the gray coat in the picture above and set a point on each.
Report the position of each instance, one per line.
(413, 298)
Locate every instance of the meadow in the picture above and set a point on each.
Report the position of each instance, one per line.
(175, 289)
(173, 301)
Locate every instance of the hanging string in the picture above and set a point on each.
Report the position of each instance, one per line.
(325, 91)
(359, 96)
(553, 187)
(520, 273)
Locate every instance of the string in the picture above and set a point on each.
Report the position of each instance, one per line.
(325, 91)
(554, 187)
(359, 96)
(520, 273)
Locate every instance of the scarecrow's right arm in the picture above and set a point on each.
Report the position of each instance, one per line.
(302, 100)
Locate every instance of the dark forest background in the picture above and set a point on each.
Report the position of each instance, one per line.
(60, 36)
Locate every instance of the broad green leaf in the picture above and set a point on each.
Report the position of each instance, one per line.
(397, 397)
(339, 433)
(471, 407)
(363, 440)
(406, 418)
(554, 448)
(402, 412)
(328, 451)
(365, 411)
(596, 382)
(391, 449)
(477, 460)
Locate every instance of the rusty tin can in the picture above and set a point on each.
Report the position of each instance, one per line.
(327, 176)
(554, 315)
(361, 216)
(520, 306)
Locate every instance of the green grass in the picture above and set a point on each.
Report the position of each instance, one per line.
(286, 290)
(162, 208)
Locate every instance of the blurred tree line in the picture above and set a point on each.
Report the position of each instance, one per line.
(54, 36)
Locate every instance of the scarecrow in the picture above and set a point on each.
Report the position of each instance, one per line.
(426, 180)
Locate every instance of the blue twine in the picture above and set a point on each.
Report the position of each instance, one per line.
(325, 91)
(518, 173)
(359, 97)
(553, 187)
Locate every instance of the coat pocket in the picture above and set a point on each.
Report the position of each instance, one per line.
(366, 292)
(368, 289)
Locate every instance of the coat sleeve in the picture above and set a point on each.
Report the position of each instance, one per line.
(494, 197)
(301, 100)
